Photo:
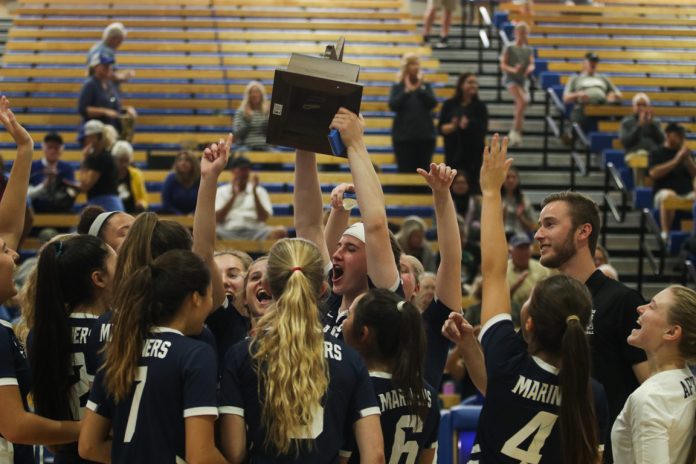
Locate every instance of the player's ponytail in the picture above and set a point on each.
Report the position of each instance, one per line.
(560, 308)
(397, 340)
(288, 349)
(150, 296)
(63, 282)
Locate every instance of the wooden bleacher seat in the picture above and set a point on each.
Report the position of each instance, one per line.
(578, 19)
(608, 42)
(685, 69)
(614, 126)
(625, 55)
(642, 81)
(612, 31)
(248, 35)
(611, 110)
(375, 4)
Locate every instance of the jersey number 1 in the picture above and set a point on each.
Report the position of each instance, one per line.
(540, 426)
(140, 377)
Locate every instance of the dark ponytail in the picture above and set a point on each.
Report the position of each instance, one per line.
(560, 307)
(63, 281)
(150, 296)
(398, 340)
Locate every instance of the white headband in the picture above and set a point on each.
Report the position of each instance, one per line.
(356, 230)
(98, 223)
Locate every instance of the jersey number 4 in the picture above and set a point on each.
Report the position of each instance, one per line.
(140, 379)
(540, 427)
(401, 446)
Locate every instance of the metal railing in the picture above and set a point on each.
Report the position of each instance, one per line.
(612, 178)
(689, 272)
(550, 122)
(647, 221)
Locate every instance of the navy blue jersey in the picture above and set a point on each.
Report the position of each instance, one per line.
(101, 333)
(176, 379)
(404, 434)
(519, 419)
(350, 397)
(437, 349)
(14, 370)
(228, 326)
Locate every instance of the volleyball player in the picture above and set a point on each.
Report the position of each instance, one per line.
(657, 422)
(365, 255)
(155, 398)
(73, 285)
(18, 426)
(292, 393)
(388, 333)
(150, 237)
(541, 405)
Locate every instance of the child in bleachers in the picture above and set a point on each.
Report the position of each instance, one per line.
(517, 61)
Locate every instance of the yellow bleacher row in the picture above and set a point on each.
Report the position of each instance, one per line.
(594, 19)
(623, 11)
(375, 4)
(248, 35)
(614, 31)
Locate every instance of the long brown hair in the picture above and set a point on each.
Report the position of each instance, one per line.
(288, 348)
(150, 296)
(560, 308)
(194, 175)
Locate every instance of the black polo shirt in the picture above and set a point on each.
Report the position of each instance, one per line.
(614, 315)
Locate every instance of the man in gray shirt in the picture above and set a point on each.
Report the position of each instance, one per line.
(589, 87)
(640, 134)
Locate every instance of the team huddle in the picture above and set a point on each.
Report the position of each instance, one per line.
(140, 348)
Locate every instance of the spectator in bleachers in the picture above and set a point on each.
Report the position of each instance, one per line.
(113, 36)
(517, 62)
(601, 260)
(251, 119)
(51, 180)
(523, 272)
(517, 209)
(466, 203)
(640, 133)
(131, 184)
(242, 207)
(426, 290)
(447, 7)
(100, 99)
(180, 188)
(464, 125)
(412, 100)
(471, 254)
(98, 170)
(672, 169)
(589, 88)
(412, 241)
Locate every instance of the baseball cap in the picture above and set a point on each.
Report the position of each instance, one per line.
(240, 162)
(101, 58)
(519, 240)
(592, 56)
(92, 127)
(53, 137)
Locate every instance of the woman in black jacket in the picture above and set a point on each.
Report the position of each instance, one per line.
(464, 124)
(413, 133)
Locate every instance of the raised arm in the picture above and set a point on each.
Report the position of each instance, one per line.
(448, 285)
(13, 204)
(458, 330)
(494, 251)
(338, 217)
(381, 266)
(212, 164)
(308, 207)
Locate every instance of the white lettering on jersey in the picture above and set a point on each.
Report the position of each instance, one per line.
(537, 391)
(155, 348)
(590, 326)
(79, 335)
(393, 399)
(105, 333)
(332, 351)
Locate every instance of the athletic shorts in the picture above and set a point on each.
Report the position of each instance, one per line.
(448, 5)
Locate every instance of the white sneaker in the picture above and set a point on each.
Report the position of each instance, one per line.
(514, 138)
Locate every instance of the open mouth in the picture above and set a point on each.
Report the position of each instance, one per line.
(337, 273)
(263, 297)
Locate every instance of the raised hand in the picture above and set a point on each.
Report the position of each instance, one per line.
(350, 125)
(14, 128)
(458, 330)
(337, 194)
(440, 176)
(215, 156)
(495, 165)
